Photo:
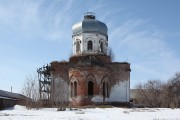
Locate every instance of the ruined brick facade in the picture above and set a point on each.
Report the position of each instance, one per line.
(90, 77)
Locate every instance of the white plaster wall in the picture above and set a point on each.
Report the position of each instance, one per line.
(95, 38)
(119, 92)
(77, 37)
(60, 90)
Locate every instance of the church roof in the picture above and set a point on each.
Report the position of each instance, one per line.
(10, 95)
(89, 61)
(90, 25)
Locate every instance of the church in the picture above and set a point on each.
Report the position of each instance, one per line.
(90, 77)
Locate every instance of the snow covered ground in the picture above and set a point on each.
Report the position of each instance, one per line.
(21, 113)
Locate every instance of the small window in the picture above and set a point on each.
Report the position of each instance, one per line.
(90, 88)
(71, 89)
(105, 89)
(75, 88)
(90, 45)
(101, 47)
(78, 46)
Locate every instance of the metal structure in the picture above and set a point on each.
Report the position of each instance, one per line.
(44, 77)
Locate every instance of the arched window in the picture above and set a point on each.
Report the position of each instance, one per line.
(101, 47)
(72, 89)
(75, 88)
(90, 88)
(90, 45)
(105, 89)
(78, 46)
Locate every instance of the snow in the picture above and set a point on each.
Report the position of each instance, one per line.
(21, 113)
(97, 98)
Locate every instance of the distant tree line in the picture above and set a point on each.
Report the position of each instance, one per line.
(155, 93)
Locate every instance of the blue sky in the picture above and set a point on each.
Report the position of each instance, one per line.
(145, 33)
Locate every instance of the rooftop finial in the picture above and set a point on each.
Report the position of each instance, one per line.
(89, 15)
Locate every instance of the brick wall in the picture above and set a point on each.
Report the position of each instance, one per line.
(115, 73)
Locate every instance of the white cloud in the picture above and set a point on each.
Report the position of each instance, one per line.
(19, 12)
(33, 19)
(146, 50)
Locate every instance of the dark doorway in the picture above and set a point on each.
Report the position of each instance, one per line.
(90, 88)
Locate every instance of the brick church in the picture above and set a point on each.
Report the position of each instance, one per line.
(90, 77)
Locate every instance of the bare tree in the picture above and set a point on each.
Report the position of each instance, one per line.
(155, 94)
(31, 90)
(149, 94)
(173, 91)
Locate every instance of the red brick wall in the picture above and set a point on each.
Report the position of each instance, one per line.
(115, 71)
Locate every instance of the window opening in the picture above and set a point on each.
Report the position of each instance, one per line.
(78, 46)
(90, 44)
(101, 47)
(71, 89)
(75, 88)
(90, 88)
(107, 90)
(104, 91)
